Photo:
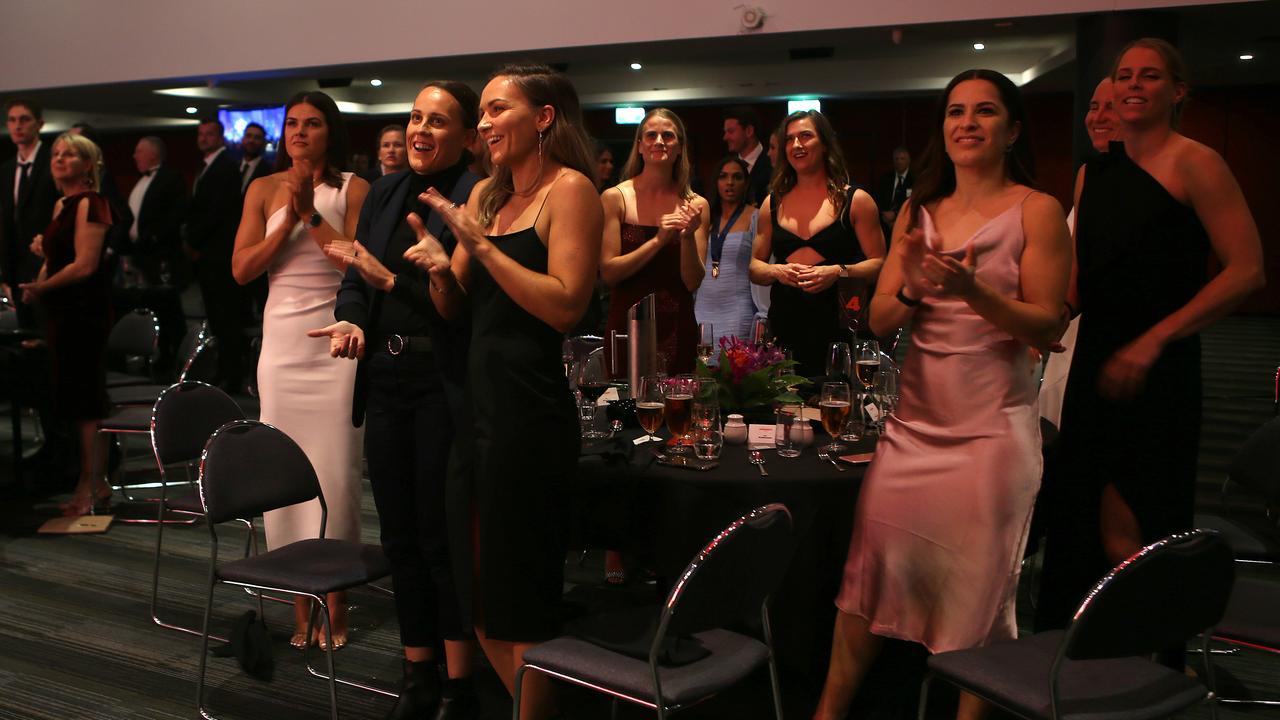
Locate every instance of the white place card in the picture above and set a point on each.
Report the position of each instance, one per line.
(873, 412)
(760, 437)
(609, 395)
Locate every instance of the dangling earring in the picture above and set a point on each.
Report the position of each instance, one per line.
(540, 146)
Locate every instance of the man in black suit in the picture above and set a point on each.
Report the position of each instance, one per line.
(213, 216)
(159, 203)
(253, 164)
(893, 190)
(27, 196)
(742, 136)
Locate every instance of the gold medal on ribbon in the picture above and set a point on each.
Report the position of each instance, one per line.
(715, 268)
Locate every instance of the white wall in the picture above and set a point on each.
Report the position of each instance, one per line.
(54, 43)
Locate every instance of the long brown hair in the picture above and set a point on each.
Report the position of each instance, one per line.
(565, 141)
(335, 152)
(938, 174)
(681, 172)
(1173, 62)
(784, 176)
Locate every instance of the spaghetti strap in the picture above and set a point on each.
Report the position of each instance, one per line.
(546, 195)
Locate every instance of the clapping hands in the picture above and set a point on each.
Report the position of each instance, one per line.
(300, 182)
(680, 224)
(927, 272)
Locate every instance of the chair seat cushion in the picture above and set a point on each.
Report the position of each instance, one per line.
(1252, 614)
(313, 566)
(127, 419)
(184, 502)
(135, 394)
(732, 657)
(1015, 675)
(631, 630)
(1248, 543)
(116, 378)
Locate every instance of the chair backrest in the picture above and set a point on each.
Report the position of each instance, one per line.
(200, 361)
(583, 345)
(732, 576)
(1169, 591)
(1257, 465)
(183, 418)
(249, 467)
(134, 335)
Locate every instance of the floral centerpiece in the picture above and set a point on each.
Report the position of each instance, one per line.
(752, 378)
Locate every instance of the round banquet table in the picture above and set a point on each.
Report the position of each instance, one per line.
(624, 498)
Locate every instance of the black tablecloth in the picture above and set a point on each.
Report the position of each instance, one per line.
(626, 499)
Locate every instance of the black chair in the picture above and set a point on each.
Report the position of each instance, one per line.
(182, 420)
(246, 469)
(1252, 620)
(1098, 666)
(195, 361)
(135, 337)
(729, 581)
(1257, 468)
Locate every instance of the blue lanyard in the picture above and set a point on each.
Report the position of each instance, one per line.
(717, 240)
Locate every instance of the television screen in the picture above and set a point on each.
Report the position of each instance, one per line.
(234, 121)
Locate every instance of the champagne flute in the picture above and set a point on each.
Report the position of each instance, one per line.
(867, 369)
(834, 406)
(706, 342)
(677, 409)
(593, 380)
(649, 404)
(839, 362)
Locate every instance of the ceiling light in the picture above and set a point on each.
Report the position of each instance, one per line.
(192, 110)
(375, 82)
(636, 66)
(1246, 57)
(979, 47)
(628, 115)
(804, 104)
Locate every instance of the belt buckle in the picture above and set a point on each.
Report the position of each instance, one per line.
(397, 344)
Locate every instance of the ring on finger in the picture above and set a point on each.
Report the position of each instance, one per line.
(453, 206)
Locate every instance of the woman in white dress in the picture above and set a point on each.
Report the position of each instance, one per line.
(289, 218)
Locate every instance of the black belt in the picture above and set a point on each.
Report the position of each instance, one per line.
(406, 344)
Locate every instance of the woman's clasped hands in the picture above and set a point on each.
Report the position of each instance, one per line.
(679, 225)
(929, 273)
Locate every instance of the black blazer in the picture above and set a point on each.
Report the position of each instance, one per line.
(213, 216)
(264, 168)
(758, 182)
(359, 304)
(22, 222)
(160, 215)
(885, 199)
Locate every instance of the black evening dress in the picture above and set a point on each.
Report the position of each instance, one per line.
(806, 323)
(77, 317)
(527, 442)
(1141, 256)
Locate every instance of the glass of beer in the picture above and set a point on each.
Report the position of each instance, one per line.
(834, 406)
(649, 405)
(677, 409)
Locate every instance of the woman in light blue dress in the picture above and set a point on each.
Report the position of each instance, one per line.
(725, 298)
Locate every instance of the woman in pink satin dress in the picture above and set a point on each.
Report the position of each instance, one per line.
(979, 267)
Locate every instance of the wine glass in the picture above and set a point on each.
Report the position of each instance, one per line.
(839, 362)
(593, 379)
(567, 355)
(834, 406)
(677, 409)
(866, 369)
(706, 342)
(706, 405)
(760, 331)
(649, 404)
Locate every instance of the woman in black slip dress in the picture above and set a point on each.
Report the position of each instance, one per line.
(820, 229)
(1148, 214)
(527, 255)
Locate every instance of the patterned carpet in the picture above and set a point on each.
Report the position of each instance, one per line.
(76, 641)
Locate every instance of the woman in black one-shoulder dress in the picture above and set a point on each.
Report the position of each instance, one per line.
(73, 289)
(526, 261)
(1148, 214)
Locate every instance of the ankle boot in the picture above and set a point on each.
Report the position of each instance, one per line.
(419, 692)
(458, 699)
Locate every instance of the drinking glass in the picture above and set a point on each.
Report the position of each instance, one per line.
(866, 369)
(834, 406)
(677, 409)
(839, 362)
(886, 389)
(786, 431)
(649, 404)
(706, 404)
(760, 331)
(707, 444)
(706, 342)
(592, 380)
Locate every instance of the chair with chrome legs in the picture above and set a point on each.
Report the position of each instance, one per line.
(1099, 667)
(136, 336)
(194, 360)
(182, 419)
(248, 468)
(690, 657)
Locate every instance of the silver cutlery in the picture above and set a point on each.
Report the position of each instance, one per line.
(758, 460)
(823, 455)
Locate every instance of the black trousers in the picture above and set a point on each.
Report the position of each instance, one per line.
(408, 433)
(226, 304)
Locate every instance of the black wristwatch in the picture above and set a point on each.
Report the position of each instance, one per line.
(315, 220)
